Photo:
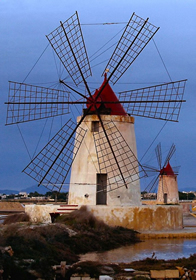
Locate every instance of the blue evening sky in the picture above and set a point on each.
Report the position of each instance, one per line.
(23, 26)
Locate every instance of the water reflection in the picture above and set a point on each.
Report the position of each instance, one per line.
(163, 248)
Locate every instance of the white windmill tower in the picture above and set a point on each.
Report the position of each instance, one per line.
(101, 148)
(165, 180)
(106, 171)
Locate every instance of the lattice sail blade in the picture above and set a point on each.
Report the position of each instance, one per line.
(51, 166)
(28, 103)
(176, 169)
(159, 155)
(170, 154)
(150, 170)
(135, 37)
(68, 43)
(158, 102)
(152, 186)
(127, 161)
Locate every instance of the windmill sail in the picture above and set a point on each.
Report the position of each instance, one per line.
(28, 103)
(68, 43)
(170, 154)
(135, 37)
(159, 155)
(158, 102)
(51, 166)
(151, 187)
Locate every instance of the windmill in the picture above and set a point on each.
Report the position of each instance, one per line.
(100, 150)
(165, 177)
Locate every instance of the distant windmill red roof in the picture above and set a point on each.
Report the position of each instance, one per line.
(167, 170)
(106, 95)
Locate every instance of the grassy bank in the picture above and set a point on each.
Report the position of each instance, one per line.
(38, 247)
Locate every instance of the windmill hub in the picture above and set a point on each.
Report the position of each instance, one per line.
(93, 102)
(106, 100)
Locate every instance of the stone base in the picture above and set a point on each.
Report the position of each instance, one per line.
(40, 213)
(143, 218)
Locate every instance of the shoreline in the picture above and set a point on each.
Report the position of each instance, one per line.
(184, 233)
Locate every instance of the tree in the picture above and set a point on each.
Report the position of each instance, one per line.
(35, 194)
(62, 196)
(186, 196)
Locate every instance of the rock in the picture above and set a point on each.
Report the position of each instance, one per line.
(8, 250)
(105, 270)
(105, 277)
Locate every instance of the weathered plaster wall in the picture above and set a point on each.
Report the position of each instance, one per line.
(85, 167)
(149, 202)
(168, 185)
(144, 218)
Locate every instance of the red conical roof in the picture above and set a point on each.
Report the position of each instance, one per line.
(167, 170)
(106, 95)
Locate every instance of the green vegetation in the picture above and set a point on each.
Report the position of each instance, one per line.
(186, 196)
(152, 263)
(62, 196)
(35, 194)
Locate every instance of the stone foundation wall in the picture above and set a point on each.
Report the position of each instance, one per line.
(143, 218)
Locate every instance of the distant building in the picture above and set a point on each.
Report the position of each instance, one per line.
(149, 195)
(23, 194)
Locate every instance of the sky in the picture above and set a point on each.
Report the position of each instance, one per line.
(23, 26)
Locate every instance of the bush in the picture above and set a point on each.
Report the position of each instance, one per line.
(93, 234)
(16, 218)
(82, 220)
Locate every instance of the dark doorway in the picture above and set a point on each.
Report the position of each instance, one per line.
(165, 198)
(95, 126)
(101, 197)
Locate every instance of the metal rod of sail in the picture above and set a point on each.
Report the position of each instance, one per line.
(127, 50)
(62, 82)
(85, 83)
(170, 154)
(97, 102)
(159, 155)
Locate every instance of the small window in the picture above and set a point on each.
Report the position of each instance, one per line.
(95, 126)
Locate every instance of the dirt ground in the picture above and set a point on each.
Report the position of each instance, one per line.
(11, 207)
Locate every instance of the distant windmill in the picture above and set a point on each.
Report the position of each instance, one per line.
(165, 177)
(100, 150)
